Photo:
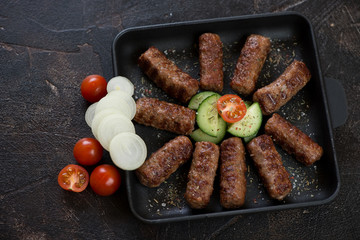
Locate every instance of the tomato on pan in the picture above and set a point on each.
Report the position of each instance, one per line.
(73, 178)
(231, 108)
(88, 151)
(93, 88)
(105, 180)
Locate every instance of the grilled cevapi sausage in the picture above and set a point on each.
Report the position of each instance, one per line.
(269, 165)
(250, 63)
(279, 92)
(165, 116)
(165, 161)
(232, 173)
(293, 140)
(211, 62)
(202, 174)
(167, 76)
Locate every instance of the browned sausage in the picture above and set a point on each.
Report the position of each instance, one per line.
(271, 170)
(165, 116)
(279, 92)
(293, 140)
(165, 161)
(250, 63)
(167, 76)
(232, 173)
(211, 62)
(202, 174)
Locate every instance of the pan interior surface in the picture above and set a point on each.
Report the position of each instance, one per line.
(291, 38)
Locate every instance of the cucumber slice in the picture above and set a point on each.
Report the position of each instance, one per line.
(196, 100)
(247, 104)
(250, 124)
(207, 115)
(199, 136)
(248, 139)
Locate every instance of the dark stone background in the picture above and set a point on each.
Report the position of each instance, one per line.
(48, 46)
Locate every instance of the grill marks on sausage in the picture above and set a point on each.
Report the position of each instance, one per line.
(161, 164)
(250, 63)
(165, 116)
(167, 76)
(270, 168)
(273, 96)
(202, 174)
(293, 140)
(232, 173)
(211, 62)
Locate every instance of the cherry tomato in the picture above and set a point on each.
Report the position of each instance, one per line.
(73, 178)
(93, 88)
(105, 180)
(231, 108)
(88, 151)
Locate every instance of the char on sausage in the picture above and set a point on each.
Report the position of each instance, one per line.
(232, 173)
(270, 168)
(250, 63)
(211, 62)
(167, 76)
(279, 92)
(202, 174)
(165, 116)
(165, 161)
(293, 140)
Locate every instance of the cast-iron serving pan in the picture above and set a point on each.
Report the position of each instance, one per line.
(292, 37)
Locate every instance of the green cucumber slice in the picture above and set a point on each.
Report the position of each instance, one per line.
(207, 116)
(248, 139)
(196, 100)
(199, 136)
(250, 124)
(247, 104)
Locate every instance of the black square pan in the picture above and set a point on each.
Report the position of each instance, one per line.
(292, 37)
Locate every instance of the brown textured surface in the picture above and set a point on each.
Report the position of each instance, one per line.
(48, 47)
(167, 76)
(211, 62)
(293, 140)
(202, 174)
(270, 167)
(166, 116)
(250, 63)
(165, 161)
(232, 173)
(273, 96)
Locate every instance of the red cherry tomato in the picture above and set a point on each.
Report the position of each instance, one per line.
(73, 178)
(93, 88)
(88, 151)
(105, 180)
(231, 108)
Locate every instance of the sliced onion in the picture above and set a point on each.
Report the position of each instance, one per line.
(128, 98)
(128, 151)
(90, 113)
(112, 125)
(120, 83)
(100, 116)
(114, 101)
